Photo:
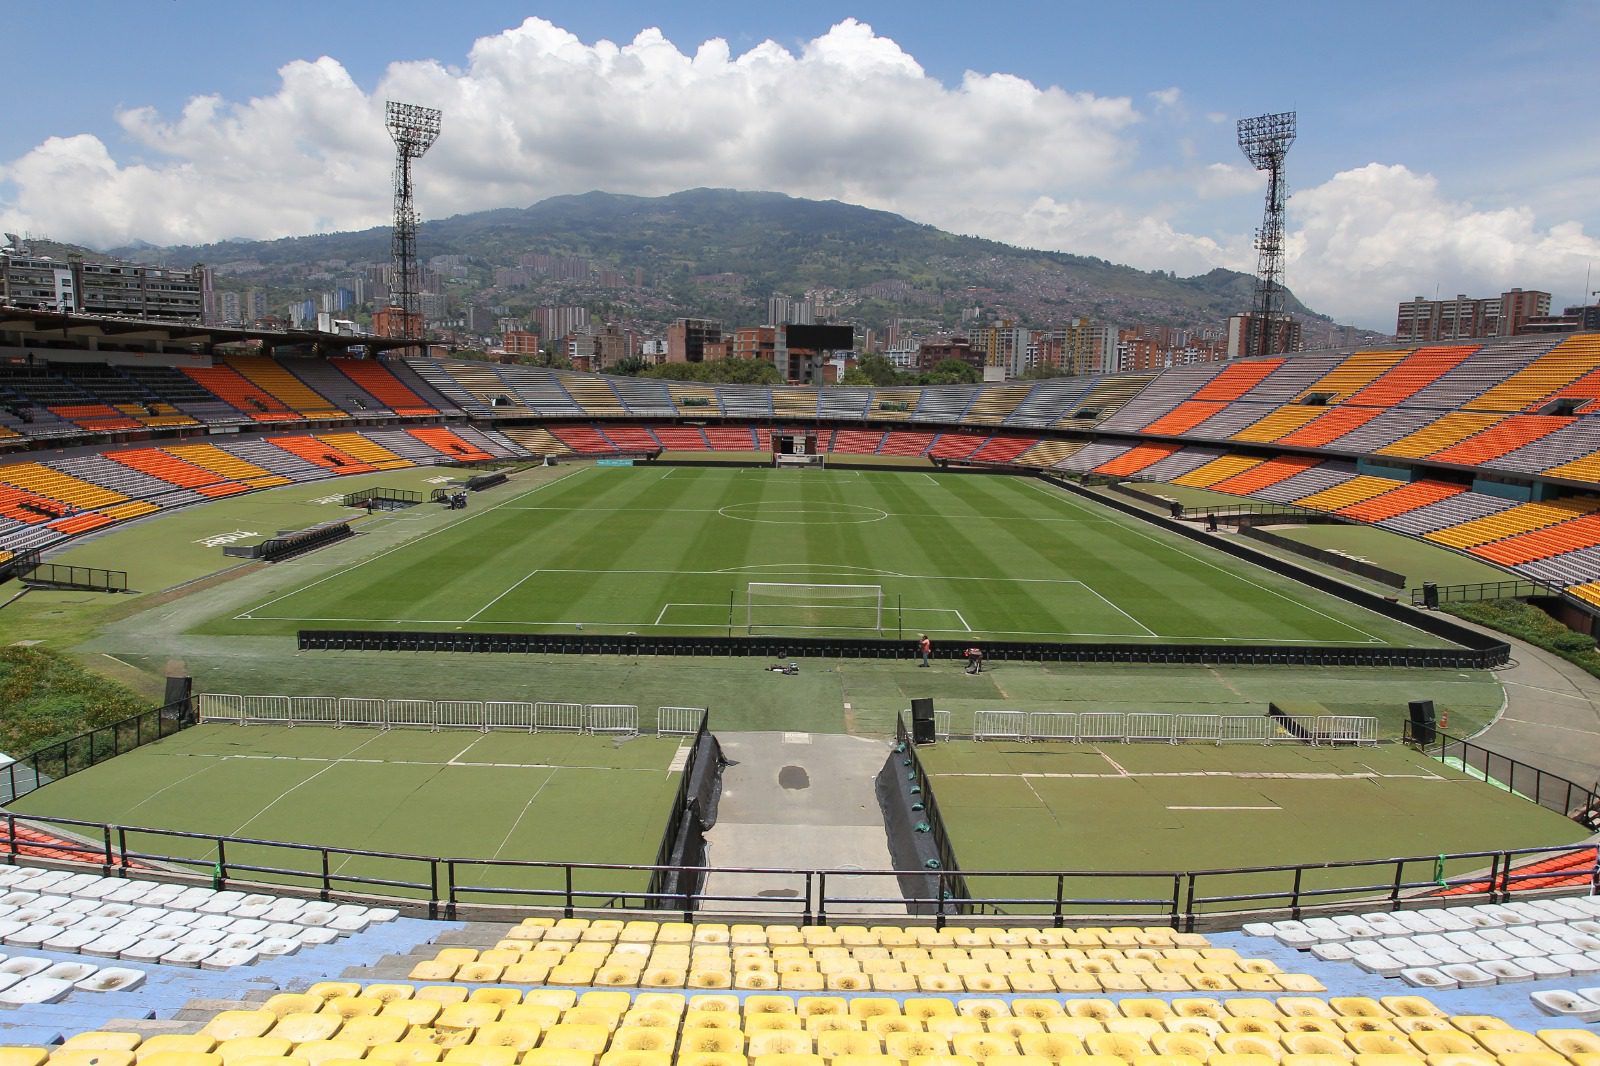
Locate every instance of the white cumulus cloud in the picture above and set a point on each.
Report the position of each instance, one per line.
(534, 111)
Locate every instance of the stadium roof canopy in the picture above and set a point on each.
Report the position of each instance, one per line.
(48, 326)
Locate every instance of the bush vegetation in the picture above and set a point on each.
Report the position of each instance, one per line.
(1526, 622)
(48, 696)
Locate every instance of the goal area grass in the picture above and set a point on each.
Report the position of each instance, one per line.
(503, 796)
(700, 551)
(1162, 807)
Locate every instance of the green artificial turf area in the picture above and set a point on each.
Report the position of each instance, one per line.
(1159, 807)
(675, 550)
(1418, 560)
(517, 796)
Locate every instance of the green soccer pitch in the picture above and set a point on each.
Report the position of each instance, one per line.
(1162, 807)
(503, 796)
(849, 553)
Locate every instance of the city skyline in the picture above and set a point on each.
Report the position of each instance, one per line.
(1456, 167)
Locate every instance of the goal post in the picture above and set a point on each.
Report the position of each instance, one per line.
(794, 605)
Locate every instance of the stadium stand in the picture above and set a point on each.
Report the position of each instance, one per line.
(376, 380)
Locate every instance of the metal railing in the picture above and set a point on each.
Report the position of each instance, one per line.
(63, 575)
(1162, 728)
(54, 761)
(1550, 791)
(599, 719)
(1484, 590)
(1213, 898)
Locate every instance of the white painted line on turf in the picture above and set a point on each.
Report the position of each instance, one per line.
(1060, 496)
(292, 788)
(521, 815)
(473, 617)
(411, 541)
(962, 620)
(1261, 807)
(1095, 593)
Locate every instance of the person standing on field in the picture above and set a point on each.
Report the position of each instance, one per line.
(924, 647)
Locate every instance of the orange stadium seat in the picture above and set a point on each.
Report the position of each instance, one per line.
(1132, 461)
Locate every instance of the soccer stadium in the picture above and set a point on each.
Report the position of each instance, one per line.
(522, 715)
(505, 715)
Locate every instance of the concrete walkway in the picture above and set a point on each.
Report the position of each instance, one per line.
(798, 801)
(1552, 714)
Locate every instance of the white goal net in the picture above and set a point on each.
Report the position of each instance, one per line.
(784, 605)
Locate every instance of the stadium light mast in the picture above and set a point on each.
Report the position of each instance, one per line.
(1265, 140)
(414, 130)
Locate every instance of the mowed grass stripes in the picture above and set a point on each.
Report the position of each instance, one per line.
(673, 550)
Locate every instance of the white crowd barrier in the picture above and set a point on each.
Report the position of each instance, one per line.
(1147, 727)
(600, 719)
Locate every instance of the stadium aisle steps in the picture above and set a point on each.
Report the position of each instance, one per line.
(374, 378)
(1318, 479)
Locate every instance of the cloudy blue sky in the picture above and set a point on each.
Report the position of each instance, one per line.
(1444, 147)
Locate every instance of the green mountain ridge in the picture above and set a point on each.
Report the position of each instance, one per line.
(721, 253)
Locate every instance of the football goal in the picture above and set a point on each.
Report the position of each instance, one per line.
(784, 605)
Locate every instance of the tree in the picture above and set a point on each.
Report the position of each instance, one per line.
(952, 372)
(632, 366)
(876, 370)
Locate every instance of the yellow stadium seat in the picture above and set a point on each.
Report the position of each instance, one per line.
(1052, 1047)
(23, 1056)
(406, 1053)
(1070, 1026)
(101, 1040)
(1239, 1059)
(636, 1058)
(1254, 1044)
(762, 1043)
(442, 994)
(92, 1057)
(839, 1043)
(770, 1023)
(320, 1052)
(557, 1056)
(303, 1028)
(234, 1052)
(1293, 1059)
(378, 1029)
(924, 1007)
(158, 1058)
(912, 1045)
(1389, 1060)
(238, 1024)
(983, 1046)
(1410, 1006)
(481, 1055)
(710, 1058)
(176, 1044)
(710, 1041)
(1516, 1058)
(590, 1038)
(1194, 1045)
(1569, 1042)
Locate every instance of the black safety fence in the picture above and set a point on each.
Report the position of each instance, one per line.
(63, 576)
(54, 761)
(1550, 791)
(445, 887)
(1481, 590)
(884, 648)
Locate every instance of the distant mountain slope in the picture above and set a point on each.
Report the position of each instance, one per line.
(718, 251)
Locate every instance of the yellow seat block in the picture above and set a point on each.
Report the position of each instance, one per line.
(238, 1024)
(982, 1046)
(1052, 1047)
(709, 1058)
(320, 1052)
(93, 1056)
(233, 1052)
(710, 1041)
(1193, 1045)
(406, 1053)
(481, 1055)
(839, 1043)
(762, 1043)
(636, 1058)
(177, 1044)
(102, 1040)
(590, 1038)
(23, 1056)
(1227, 1058)
(784, 1059)
(557, 1056)
(169, 1058)
(378, 1029)
(908, 1046)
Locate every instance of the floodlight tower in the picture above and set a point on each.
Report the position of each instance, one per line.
(1265, 140)
(414, 130)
